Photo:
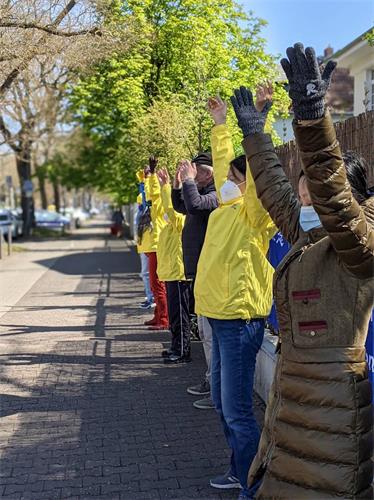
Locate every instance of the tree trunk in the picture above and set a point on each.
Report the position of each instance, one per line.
(56, 194)
(23, 161)
(42, 188)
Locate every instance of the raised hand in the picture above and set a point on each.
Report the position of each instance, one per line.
(307, 86)
(250, 120)
(163, 176)
(152, 164)
(177, 177)
(264, 93)
(217, 109)
(187, 170)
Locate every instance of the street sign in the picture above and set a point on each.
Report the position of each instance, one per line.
(28, 186)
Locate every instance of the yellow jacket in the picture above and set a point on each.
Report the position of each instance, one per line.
(169, 250)
(153, 194)
(234, 277)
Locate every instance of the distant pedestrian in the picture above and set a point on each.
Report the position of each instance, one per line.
(118, 219)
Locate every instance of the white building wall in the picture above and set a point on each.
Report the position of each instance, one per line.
(359, 92)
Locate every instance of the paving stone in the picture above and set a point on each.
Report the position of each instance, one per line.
(85, 417)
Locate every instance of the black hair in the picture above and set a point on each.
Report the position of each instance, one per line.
(240, 163)
(357, 169)
(144, 223)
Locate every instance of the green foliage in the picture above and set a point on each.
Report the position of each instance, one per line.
(166, 131)
(152, 99)
(370, 37)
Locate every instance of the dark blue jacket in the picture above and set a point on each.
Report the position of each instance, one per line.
(196, 204)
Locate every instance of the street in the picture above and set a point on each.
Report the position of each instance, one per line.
(88, 409)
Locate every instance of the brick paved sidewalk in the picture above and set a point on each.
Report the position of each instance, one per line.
(88, 410)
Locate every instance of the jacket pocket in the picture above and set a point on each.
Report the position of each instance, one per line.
(311, 333)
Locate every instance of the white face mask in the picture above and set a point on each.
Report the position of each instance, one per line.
(230, 191)
(309, 218)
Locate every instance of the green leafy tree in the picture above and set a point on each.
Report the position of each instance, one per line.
(153, 98)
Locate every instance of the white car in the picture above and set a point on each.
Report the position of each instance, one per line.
(78, 215)
(10, 219)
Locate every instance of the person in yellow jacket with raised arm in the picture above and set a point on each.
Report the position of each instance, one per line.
(148, 303)
(149, 229)
(170, 269)
(234, 290)
(142, 208)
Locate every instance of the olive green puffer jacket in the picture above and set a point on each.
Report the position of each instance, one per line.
(317, 437)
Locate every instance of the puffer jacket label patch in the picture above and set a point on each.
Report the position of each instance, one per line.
(306, 295)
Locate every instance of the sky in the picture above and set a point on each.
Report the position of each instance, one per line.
(316, 23)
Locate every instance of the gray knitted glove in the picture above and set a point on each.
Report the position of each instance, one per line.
(307, 87)
(250, 120)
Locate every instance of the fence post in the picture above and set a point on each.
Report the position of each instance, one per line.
(9, 240)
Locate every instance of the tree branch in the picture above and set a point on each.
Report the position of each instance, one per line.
(49, 29)
(15, 72)
(8, 136)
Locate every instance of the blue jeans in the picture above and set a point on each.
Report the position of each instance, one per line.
(235, 347)
(144, 273)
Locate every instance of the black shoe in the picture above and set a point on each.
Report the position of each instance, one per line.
(167, 353)
(175, 359)
(202, 389)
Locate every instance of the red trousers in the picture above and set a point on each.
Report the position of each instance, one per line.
(159, 291)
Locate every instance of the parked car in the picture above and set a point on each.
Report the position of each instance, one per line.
(51, 220)
(17, 223)
(77, 215)
(10, 219)
(94, 211)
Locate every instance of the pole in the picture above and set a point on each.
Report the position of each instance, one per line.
(9, 240)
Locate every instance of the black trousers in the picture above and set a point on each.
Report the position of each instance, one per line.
(178, 298)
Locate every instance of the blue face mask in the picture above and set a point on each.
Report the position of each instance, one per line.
(309, 219)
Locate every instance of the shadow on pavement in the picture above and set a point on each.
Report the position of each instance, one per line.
(96, 262)
(115, 426)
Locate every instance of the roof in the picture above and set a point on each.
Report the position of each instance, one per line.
(350, 45)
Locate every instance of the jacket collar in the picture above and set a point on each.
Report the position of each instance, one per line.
(316, 234)
(208, 188)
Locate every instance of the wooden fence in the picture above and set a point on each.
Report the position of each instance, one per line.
(356, 134)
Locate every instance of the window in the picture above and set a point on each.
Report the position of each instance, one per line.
(369, 90)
